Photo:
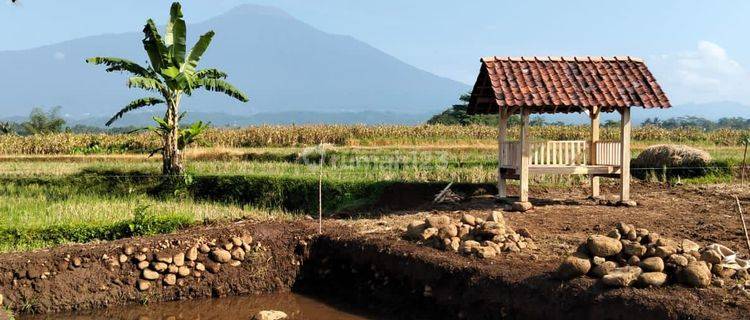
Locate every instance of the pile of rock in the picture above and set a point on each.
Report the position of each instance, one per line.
(630, 256)
(171, 266)
(484, 238)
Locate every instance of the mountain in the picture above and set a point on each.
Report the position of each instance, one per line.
(283, 64)
(280, 118)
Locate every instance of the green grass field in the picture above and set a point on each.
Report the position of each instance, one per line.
(51, 199)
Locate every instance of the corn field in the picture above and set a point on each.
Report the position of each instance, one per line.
(343, 135)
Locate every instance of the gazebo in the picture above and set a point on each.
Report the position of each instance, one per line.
(526, 85)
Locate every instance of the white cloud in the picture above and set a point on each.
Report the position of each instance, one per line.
(707, 73)
(58, 56)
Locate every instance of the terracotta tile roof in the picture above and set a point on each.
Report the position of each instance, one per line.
(565, 84)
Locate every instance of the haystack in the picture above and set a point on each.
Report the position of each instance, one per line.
(671, 160)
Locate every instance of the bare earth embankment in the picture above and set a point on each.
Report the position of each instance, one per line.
(366, 262)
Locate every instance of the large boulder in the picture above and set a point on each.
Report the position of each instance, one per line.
(682, 160)
(696, 274)
(603, 246)
(574, 266)
(622, 277)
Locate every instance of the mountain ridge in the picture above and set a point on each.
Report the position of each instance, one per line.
(284, 64)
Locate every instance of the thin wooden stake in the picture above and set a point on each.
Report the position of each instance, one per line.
(320, 192)
(744, 226)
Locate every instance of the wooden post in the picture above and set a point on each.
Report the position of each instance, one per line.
(525, 155)
(625, 155)
(592, 149)
(502, 133)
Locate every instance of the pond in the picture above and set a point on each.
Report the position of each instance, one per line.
(232, 308)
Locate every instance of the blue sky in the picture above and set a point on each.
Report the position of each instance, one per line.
(698, 49)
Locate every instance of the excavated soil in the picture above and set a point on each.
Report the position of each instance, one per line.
(366, 263)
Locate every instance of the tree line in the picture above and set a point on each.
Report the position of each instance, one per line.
(49, 121)
(458, 115)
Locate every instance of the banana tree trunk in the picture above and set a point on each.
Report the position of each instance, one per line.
(172, 159)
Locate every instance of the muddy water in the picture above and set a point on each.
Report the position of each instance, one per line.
(294, 305)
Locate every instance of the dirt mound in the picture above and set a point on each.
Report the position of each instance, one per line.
(197, 263)
(680, 160)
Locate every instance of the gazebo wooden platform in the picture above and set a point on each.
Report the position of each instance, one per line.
(526, 85)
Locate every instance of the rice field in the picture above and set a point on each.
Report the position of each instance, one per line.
(77, 188)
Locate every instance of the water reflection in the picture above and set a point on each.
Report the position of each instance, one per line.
(296, 306)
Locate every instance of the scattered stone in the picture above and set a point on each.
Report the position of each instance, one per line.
(128, 250)
(200, 266)
(524, 233)
(448, 231)
(468, 246)
(689, 246)
(204, 248)
(143, 265)
(238, 254)
(598, 260)
(77, 262)
(486, 252)
(634, 261)
(614, 234)
(221, 255)
(468, 219)
(270, 315)
(415, 229)
(162, 257)
(150, 274)
(455, 244)
(653, 264)
(437, 221)
(140, 257)
(633, 248)
(603, 269)
(678, 260)
(143, 285)
(622, 277)
(192, 254)
(664, 251)
(173, 269)
(236, 241)
(183, 271)
(123, 258)
(247, 239)
(179, 259)
(521, 206)
(711, 256)
(170, 279)
(159, 266)
(652, 279)
(652, 237)
(574, 266)
(496, 216)
(235, 263)
(696, 274)
(603, 246)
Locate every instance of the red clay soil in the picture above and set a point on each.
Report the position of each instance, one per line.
(521, 284)
(46, 281)
(366, 262)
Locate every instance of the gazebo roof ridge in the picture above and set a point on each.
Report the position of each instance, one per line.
(562, 58)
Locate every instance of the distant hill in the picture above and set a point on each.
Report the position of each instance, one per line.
(291, 117)
(284, 65)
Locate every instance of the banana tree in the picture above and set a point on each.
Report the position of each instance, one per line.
(171, 74)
